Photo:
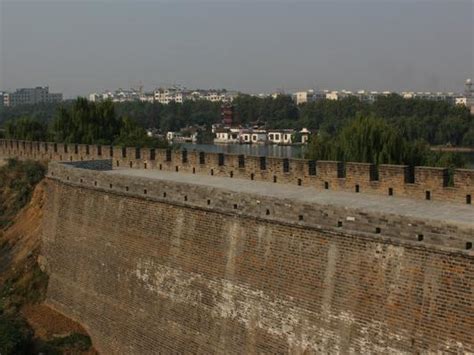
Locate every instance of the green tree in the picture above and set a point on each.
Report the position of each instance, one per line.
(468, 138)
(436, 122)
(26, 128)
(97, 123)
(368, 139)
(86, 122)
(373, 140)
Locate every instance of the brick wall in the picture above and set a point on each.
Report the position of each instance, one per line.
(153, 274)
(418, 183)
(283, 210)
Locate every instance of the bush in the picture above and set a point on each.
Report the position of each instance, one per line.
(15, 336)
(76, 341)
(17, 181)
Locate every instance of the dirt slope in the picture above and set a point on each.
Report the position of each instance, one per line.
(23, 284)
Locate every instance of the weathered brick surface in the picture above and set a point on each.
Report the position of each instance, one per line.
(395, 222)
(148, 273)
(367, 178)
(147, 276)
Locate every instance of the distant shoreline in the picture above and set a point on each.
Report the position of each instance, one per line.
(453, 149)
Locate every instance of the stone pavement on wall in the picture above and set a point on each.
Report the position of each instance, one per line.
(460, 215)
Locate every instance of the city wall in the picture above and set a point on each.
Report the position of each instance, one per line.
(151, 266)
(158, 266)
(426, 183)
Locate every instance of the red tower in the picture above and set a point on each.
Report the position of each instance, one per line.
(229, 115)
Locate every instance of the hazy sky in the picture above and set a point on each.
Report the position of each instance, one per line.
(259, 46)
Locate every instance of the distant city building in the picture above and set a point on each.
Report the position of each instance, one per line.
(433, 96)
(186, 135)
(179, 94)
(119, 95)
(370, 96)
(333, 95)
(302, 97)
(173, 136)
(469, 95)
(147, 97)
(94, 97)
(245, 136)
(338, 95)
(259, 136)
(462, 101)
(227, 135)
(281, 136)
(305, 134)
(6, 99)
(31, 96)
(165, 95)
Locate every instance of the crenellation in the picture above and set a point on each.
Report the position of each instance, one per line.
(393, 180)
(328, 173)
(464, 179)
(361, 175)
(431, 178)
(88, 174)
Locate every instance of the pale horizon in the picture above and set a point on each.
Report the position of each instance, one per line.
(79, 47)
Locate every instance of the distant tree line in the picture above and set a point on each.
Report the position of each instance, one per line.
(83, 122)
(392, 129)
(436, 122)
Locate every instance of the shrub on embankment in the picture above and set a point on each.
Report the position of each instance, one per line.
(17, 182)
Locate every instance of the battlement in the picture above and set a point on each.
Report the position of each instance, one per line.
(423, 183)
(176, 262)
(391, 219)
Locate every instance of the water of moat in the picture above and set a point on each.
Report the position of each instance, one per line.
(279, 151)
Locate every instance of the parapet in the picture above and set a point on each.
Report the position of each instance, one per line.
(424, 183)
(388, 220)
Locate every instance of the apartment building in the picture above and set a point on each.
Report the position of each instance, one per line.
(31, 96)
(301, 97)
(165, 96)
(178, 95)
(469, 94)
(433, 96)
(311, 95)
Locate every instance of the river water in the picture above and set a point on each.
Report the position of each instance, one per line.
(281, 151)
